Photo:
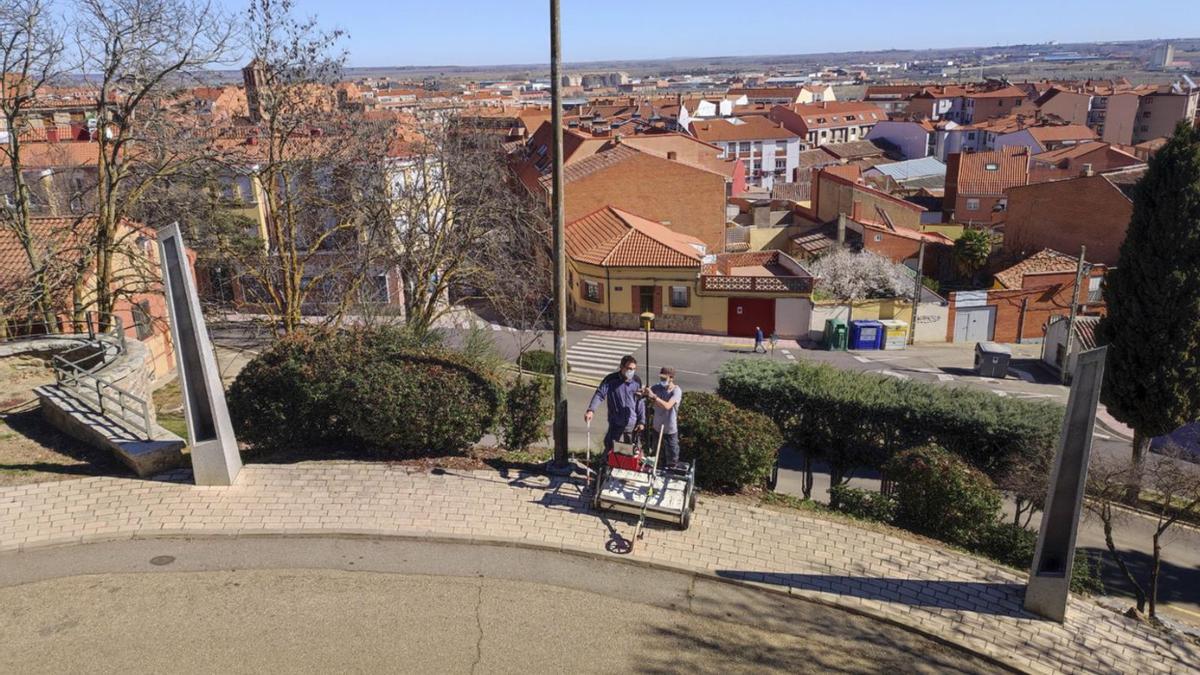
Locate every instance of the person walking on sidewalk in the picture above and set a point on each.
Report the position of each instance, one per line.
(665, 397)
(758, 340)
(620, 391)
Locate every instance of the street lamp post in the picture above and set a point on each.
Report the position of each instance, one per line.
(561, 462)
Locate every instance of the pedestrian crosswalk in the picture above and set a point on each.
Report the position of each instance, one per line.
(598, 355)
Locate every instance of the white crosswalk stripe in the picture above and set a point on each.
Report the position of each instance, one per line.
(597, 355)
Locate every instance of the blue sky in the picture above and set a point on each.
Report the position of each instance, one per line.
(484, 32)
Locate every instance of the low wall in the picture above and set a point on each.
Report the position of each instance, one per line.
(932, 317)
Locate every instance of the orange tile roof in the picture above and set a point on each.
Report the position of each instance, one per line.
(1004, 92)
(828, 114)
(1044, 261)
(1062, 132)
(992, 172)
(750, 127)
(611, 237)
(65, 238)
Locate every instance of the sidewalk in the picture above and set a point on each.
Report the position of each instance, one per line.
(961, 599)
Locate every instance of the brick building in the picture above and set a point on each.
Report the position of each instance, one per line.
(1092, 211)
(1025, 298)
(976, 184)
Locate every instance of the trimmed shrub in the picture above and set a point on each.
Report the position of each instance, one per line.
(419, 402)
(942, 496)
(539, 361)
(865, 504)
(1008, 543)
(381, 388)
(527, 411)
(860, 419)
(732, 448)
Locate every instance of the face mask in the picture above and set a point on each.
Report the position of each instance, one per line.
(664, 380)
(629, 373)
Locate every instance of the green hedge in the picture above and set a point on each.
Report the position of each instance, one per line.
(866, 504)
(527, 411)
(940, 495)
(539, 361)
(860, 420)
(732, 448)
(380, 388)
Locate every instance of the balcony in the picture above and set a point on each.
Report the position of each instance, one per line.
(755, 273)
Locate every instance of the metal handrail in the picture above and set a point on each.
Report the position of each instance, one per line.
(69, 374)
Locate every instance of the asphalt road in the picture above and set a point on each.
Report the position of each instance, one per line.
(377, 605)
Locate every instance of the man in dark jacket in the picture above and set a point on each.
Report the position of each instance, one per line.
(626, 409)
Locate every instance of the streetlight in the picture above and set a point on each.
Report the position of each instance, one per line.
(560, 464)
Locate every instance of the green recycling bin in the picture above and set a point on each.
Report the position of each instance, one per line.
(836, 335)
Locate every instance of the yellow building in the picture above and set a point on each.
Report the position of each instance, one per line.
(621, 265)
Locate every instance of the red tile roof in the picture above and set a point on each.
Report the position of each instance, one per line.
(990, 173)
(65, 238)
(750, 127)
(828, 114)
(611, 237)
(1044, 261)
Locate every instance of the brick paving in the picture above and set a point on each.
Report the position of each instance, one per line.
(959, 598)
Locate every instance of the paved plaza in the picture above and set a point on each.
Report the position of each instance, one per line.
(962, 599)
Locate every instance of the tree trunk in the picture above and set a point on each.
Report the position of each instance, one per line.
(1141, 445)
(1139, 594)
(806, 488)
(1156, 566)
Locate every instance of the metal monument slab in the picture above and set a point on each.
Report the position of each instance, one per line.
(215, 458)
(1054, 558)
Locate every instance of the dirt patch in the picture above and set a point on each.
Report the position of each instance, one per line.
(32, 451)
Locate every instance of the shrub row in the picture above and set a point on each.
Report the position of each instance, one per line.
(732, 448)
(939, 495)
(384, 389)
(861, 420)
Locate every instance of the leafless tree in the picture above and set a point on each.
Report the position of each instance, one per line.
(139, 51)
(1026, 483)
(1175, 489)
(462, 231)
(313, 161)
(31, 51)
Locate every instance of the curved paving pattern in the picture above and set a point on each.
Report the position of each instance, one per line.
(959, 598)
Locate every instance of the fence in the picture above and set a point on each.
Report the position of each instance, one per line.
(79, 374)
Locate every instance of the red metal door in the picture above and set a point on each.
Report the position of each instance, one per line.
(747, 313)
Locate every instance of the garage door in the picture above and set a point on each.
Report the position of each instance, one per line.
(974, 324)
(747, 313)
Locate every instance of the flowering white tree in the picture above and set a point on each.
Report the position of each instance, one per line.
(846, 275)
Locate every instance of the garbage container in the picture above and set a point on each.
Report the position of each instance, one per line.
(991, 359)
(835, 335)
(866, 334)
(895, 334)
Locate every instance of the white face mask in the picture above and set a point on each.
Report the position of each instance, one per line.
(629, 373)
(664, 380)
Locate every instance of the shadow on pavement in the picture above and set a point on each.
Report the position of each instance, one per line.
(1002, 599)
(1176, 584)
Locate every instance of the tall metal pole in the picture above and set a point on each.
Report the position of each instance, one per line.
(917, 284)
(1064, 373)
(560, 463)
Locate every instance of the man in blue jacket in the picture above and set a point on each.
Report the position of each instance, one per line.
(626, 409)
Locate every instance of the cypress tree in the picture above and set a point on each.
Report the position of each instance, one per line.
(1152, 378)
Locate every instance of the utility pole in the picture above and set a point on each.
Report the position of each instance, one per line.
(1063, 375)
(561, 463)
(917, 286)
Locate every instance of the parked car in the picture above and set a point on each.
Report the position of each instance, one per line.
(1186, 437)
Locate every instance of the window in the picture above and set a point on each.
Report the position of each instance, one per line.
(679, 296)
(1146, 114)
(781, 164)
(972, 204)
(745, 147)
(879, 237)
(142, 320)
(591, 291)
(1094, 292)
(375, 289)
(991, 166)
